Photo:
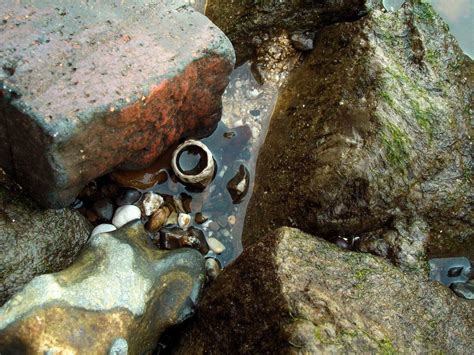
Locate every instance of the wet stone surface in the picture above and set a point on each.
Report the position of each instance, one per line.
(87, 87)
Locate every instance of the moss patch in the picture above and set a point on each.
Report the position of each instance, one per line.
(396, 142)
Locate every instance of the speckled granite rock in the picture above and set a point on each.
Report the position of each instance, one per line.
(35, 241)
(294, 293)
(120, 292)
(379, 143)
(86, 87)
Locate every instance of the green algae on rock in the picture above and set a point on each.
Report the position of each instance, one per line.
(120, 287)
(34, 241)
(291, 292)
(379, 139)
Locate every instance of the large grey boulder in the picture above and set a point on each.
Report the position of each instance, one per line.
(34, 241)
(370, 138)
(295, 293)
(118, 296)
(86, 86)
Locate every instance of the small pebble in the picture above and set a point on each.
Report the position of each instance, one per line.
(200, 218)
(213, 268)
(104, 209)
(158, 219)
(231, 219)
(125, 214)
(184, 220)
(215, 245)
(103, 228)
(128, 197)
(174, 237)
(172, 218)
(238, 186)
(465, 290)
(151, 203)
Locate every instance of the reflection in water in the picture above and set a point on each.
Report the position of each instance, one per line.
(459, 14)
(218, 209)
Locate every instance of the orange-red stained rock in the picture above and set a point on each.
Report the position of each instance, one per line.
(87, 90)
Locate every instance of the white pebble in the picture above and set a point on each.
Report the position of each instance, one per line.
(151, 203)
(125, 214)
(215, 245)
(184, 220)
(103, 228)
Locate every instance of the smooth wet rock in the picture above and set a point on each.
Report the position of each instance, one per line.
(200, 218)
(140, 179)
(293, 293)
(175, 237)
(450, 270)
(125, 214)
(34, 241)
(215, 245)
(213, 268)
(103, 228)
(239, 185)
(121, 286)
(158, 219)
(104, 209)
(184, 220)
(465, 290)
(88, 87)
(370, 138)
(151, 203)
(128, 197)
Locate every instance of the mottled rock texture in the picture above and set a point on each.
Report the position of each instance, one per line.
(86, 87)
(296, 293)
(370, 138)
(34, 241)
(120, 287)
(248, 23)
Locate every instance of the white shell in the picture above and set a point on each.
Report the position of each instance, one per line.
(184, 220)
(125, 214)
(205, 176)
(103, 228)
(151, 203)
(215, 245)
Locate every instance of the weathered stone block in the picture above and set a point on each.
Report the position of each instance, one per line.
(121, 292)
(293, 293)
(87, 86)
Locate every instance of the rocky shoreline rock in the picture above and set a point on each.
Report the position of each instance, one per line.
(379, 141)
(291, 292)
(34, 241)
(85, 88)
(121, 292)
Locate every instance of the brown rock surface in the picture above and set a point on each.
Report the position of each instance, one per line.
(294, 293)
(88, 87)
(370, 138)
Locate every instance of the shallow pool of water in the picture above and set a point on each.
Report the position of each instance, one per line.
(247, 108)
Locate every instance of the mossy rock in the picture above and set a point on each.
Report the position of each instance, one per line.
(370, 137)
(294, 293)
